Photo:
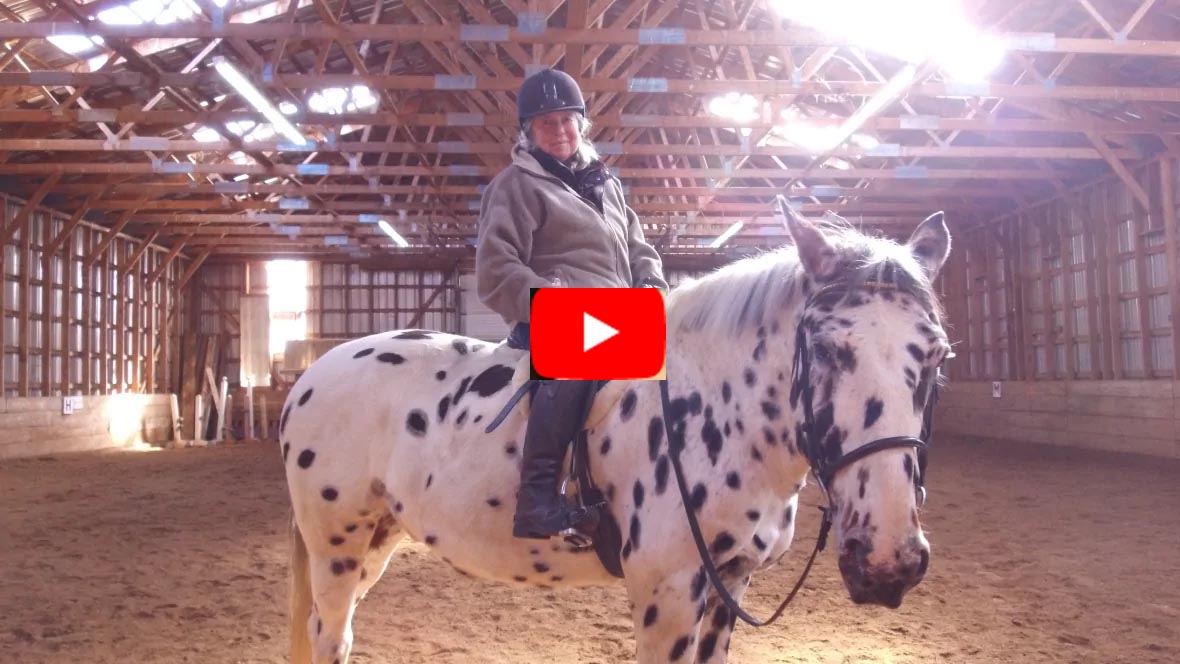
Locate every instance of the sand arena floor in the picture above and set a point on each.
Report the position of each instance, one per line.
(1040, 555)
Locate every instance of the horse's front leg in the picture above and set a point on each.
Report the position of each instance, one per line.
(667, 610)
(719, 621)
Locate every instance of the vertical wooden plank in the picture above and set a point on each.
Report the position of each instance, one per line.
(121, 378)
(1060, 215)
(24, 296)
(347, 269)
(1026, 308)
(1013, 300)
(1168, 200)
(106, 324)
(47, 287)
(87, 314)
(1046, 231)
(67, 313)
(152, 313)
(1139, 226)
(1114, 346)
(987, 322)
(4, 213)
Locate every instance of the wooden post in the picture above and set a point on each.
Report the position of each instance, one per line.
(47, 286)
(264, 416)
(249, 411)
(199, 421)
(1067, 295)
(1168, 199)
(174, 407)
(87, 316)
(26, 269)
(1141, 294)
(222, 409)
(1110, 257)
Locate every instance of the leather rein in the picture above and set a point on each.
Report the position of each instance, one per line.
(823, 469)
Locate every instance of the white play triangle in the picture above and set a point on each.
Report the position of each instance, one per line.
(594, 332)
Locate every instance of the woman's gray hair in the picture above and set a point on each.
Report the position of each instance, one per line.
(586, 153)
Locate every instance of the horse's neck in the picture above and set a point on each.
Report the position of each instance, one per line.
(710, 363)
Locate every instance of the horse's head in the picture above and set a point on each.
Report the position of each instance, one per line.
(869, 346)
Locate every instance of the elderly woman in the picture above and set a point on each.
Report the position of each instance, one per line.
(554, 217)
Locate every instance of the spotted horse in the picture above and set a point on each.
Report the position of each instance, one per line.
(799, 358)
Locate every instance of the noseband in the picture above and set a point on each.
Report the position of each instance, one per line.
(822, 467)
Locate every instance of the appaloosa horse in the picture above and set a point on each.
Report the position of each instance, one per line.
(820, 355)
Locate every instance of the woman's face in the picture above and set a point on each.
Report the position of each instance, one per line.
(557, 134)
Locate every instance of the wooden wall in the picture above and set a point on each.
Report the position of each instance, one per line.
(34, 426)
(85, 311)
(1070, 303)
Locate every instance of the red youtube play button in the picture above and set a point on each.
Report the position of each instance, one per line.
(597, 333)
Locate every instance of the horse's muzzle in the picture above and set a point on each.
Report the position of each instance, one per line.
(885, 585)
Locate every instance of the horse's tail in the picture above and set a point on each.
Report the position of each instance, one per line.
(300, 598)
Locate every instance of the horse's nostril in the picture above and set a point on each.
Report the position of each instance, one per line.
(923, 561)
(853, 546)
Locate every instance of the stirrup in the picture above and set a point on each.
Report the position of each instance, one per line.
(576, 538)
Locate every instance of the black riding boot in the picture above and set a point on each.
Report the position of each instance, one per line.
(557, 414)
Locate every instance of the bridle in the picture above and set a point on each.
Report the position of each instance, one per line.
(823, 468)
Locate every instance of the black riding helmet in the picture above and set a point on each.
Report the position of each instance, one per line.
(546, 91)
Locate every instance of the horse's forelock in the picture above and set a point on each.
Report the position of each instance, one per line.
(743, 295)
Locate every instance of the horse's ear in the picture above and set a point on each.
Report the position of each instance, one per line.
(931, 243)
(815, 252)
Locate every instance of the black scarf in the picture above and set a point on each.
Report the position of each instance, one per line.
(589, 182)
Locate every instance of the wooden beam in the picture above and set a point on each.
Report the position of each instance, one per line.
(193, 267)
(143, 247)
(1168, 202)
(1137, 192)
(109, 237)
(22, 217)
(167, 260)
(67, 229)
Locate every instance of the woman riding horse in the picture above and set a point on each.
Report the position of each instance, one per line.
(554, 217)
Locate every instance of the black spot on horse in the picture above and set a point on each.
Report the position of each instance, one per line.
(413, 334)
(390, 358)
(771, 410)
(696, 500)
(725, 429)
(461, 418)
(733, 480)
(306, 396)
(678, 648)
(363, 353)
(283, 420)
(605, 446)
(698, 583)
(634, 531)
(306, 457)
(713, 440)
(722, 543)
(760, 350)
(908, 465)
(519, 579)
(650, 615)
(694, 403)
(749, 377)
(493, 502)
(510, 450)
(330, 493)
(726, 392)
(771, 392)
(430, 540)
(741, 428)
(460, 346)
(759, 543)
(662, 475)
(846, 358)
(655, 437)
(416, 423)
(755, 454)
(873, 409)
(286, 451)
(337, 567)
(492, 380)
(351, 527)
(440, 375)
(637, 494)
(708, 646)
(444, 405)
(627, 407)
(540, 567)
(429, 480)
(336, 540)
(463, 385)
(916, 353)
(626, 550)
(788, 515)
(753, 515)
(475, 348)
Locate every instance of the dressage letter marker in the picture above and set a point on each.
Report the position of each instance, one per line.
(597, 333)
